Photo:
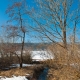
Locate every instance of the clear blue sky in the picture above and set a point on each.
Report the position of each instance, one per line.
(3, 7)
(4, 4)
(3, 16)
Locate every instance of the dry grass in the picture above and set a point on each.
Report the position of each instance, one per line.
(62, 56)
(16, 72)
(61, 68)
(66, 73)
(20, 71)
(61, 64)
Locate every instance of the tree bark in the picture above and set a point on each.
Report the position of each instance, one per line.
(22, 48)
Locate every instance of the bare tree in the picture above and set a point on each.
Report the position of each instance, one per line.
(53, 19)
(18, 12)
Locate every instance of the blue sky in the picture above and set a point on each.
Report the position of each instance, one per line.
(3, 6)
(3, 16)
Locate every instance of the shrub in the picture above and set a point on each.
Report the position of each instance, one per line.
(27, 58)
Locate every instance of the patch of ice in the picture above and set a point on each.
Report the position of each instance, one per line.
(18, 65)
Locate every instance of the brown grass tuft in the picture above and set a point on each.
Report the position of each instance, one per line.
(66, 73)
(16, 72)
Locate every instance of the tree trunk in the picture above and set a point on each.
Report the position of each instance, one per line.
(21, 60)
(74, 32)
(64, 34)
(64, 39)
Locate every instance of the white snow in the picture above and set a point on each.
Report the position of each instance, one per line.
(15, 78)
(41, 55)
(38, 54)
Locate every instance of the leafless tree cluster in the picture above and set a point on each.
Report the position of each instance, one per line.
(18, 12)
(58, 22)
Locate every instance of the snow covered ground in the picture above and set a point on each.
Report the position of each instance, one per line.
(41, 55)
(37, 54)
(14, 78)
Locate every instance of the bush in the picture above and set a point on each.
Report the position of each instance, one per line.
(27, 58)
(5, 62)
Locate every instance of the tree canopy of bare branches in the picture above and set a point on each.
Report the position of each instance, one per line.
(55, 19)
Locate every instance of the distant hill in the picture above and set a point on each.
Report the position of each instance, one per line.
(36, 46)
(33, 46)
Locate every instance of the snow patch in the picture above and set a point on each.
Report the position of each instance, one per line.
(15, 78)
(41, 55)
